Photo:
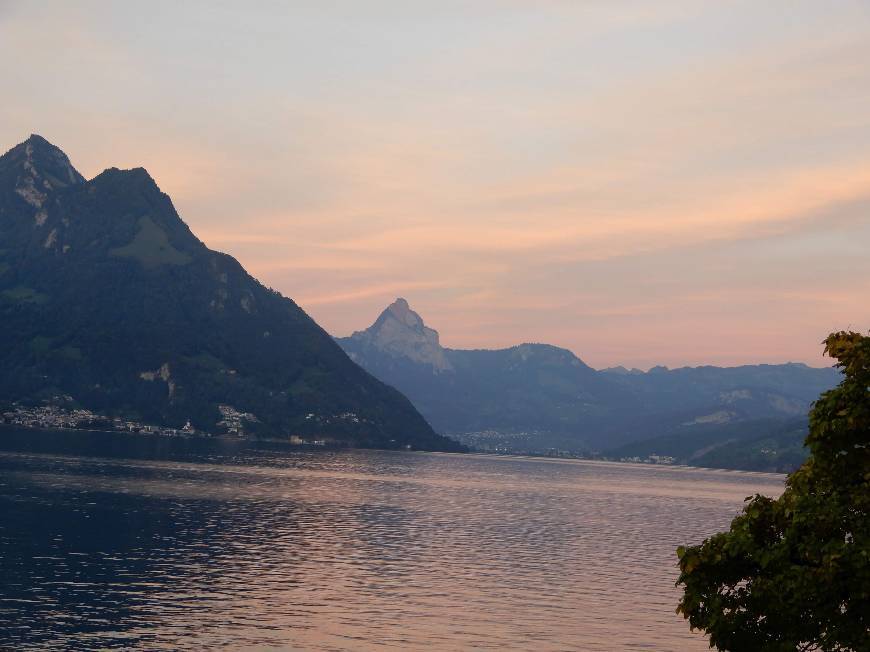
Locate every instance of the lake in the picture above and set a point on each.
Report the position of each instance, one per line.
(111, 540)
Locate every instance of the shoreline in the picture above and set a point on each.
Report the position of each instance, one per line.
(325, 447)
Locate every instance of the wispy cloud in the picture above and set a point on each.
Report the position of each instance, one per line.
(635, 182)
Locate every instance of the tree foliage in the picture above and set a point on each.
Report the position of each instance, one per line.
(794, 573)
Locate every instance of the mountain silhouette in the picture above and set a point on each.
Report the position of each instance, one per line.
(108, 301)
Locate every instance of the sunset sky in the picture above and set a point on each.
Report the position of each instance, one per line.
(640, 182)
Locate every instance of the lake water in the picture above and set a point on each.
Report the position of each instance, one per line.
(127, 541)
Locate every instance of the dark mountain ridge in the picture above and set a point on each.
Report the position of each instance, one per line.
(108, 298)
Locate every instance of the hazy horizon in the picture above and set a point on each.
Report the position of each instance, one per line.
(679, 185)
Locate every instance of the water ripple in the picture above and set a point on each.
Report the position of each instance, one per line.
(205, 546)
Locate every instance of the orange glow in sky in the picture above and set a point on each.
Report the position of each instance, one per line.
(642, 183)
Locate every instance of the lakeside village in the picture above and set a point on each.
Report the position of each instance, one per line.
(521, 443)
(53, 417)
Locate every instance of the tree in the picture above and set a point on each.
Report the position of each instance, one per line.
(794, 573)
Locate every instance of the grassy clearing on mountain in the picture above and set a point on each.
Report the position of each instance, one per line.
(151, 247)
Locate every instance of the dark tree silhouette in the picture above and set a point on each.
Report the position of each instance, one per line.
(794, 573)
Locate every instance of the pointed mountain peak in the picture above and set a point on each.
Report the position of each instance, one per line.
(35, 168)
(400, 305)
(401, 311)
(401, 332)
(36, 144)
(42, 202)
(38, 141)
(38, 159)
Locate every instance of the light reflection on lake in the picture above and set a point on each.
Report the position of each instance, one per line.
(112, 541)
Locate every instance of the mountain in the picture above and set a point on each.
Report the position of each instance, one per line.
(534, 397)
(771, 444)
(108, 302)
(697, 409)
(400, 333)
(521, 394)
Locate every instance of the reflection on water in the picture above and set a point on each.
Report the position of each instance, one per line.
(110, 541)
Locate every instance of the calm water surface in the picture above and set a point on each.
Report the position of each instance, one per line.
(124, 541)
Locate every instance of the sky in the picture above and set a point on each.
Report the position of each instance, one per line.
(644, 183)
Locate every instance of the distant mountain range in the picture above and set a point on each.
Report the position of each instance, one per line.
(109, 303)
(537, 397)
